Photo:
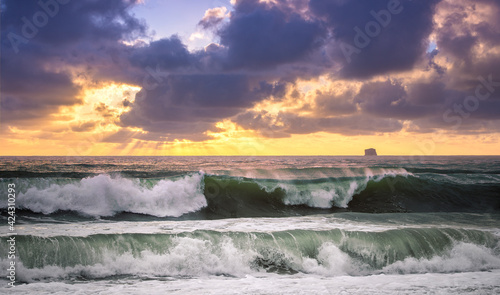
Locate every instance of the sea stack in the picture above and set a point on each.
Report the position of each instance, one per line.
(370, 152)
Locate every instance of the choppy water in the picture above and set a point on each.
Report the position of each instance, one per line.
(258, 225)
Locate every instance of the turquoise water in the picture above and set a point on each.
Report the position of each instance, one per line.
(96, 224)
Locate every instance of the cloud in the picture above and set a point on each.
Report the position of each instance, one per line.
(30, 92)
(84, 126)
(285, 124)
(44, 48)
(388, 99)
(197, 89)
(391, 41)
(213, 17)
(72, 22)
(167, 54)
(187, 105)
(263, 36)
(332, 104)
(264, 51)
(104, 110)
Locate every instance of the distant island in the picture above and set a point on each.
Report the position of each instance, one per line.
(370, 152)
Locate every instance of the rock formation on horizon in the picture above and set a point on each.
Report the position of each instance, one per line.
(370, 152)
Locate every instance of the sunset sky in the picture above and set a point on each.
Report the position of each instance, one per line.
(250, 77)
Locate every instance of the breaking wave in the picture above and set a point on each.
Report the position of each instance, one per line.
(259, 193)
(206, 253)
(103, 195)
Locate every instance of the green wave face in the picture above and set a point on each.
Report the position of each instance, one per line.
(267, 193)
(203, 252)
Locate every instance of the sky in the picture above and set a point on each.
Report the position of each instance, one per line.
(249, 77)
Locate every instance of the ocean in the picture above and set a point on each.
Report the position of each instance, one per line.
(250, 225)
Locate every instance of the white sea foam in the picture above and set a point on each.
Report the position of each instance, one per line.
(336, 193)
(186, 257)
(310, 172)
(464, 257)
(272, 284)
(343, 221)
(201, 258)
(103, 195)
(331, 261)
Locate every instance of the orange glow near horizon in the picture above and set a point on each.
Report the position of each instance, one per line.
(312, 144)
(80, 130)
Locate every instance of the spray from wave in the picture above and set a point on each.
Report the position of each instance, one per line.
(208, 253)
(332, 191)
(268, 193)
(103, 195)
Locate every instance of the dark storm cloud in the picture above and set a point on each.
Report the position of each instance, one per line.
(166, 54)
(458, 39)
(260, 36)
(200, 88)
(457, 45)
(286, 124)
(472, 74)
(71, 21)
(265, 48)
(431, 93)
(40, 39)
(388, 100)
(398, 43)
(196, 101)
(383, 107)
(28, 91)
(328, 104)
(445, 101)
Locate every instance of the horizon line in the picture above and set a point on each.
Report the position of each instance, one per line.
(270, 155)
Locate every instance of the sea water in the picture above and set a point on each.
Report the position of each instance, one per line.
(253, 225)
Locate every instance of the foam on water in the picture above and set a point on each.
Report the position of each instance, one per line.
(307, 173)
(446, 284)
(337, 192)
(464, 257)
(201, 258)
(329, 194)
(103, 195)
(107, 195)
(186, 257)
(361, 222)
(450, 244)
(210, 196)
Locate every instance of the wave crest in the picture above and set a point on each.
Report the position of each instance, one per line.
(200, 195)
(207, 253)
(103, 195)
